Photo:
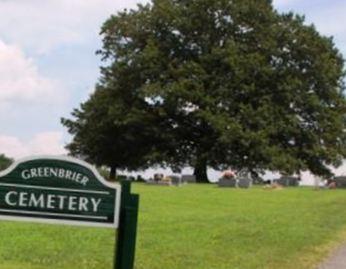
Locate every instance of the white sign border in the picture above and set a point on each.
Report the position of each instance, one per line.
(115, 186)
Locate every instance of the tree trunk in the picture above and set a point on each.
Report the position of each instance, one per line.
(113, 173)
(200, 171)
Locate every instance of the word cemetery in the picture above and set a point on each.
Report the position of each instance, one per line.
(52, 201)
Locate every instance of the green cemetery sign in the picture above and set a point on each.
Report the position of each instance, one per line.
(58, 190)
(65, 190)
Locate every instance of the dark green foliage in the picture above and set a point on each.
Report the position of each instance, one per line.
(139, 178)
(104, 172)
(214, 83)
(108, 131)
(5, 162)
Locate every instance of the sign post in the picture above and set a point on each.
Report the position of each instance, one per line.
(127, 231)
(64, 190)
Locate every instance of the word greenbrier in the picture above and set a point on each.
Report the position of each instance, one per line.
(52, 201)
(47, 172)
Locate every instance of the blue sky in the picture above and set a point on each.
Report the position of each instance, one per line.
(48, 63)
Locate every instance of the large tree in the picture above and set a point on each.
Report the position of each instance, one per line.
(229, 83)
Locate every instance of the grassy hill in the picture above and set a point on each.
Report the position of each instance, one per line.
(195, 227)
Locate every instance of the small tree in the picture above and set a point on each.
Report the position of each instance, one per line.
(107, 133)
(5, 162)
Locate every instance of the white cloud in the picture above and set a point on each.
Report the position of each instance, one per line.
(20, 79)
(328, 17)
(284, 2)
(46, 143)
(44, 25)
(330, 20)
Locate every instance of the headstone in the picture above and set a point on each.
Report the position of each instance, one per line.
(288, 181)
(244, 183)
(340, 181)
(230, 183)
(160, 179)
(176, 181)
(188, 178)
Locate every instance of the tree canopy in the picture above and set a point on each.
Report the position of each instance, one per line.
(110, 132)
(214, 83)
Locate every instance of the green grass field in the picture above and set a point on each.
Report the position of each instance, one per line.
(195, 227)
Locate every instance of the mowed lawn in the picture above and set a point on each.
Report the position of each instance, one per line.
(197, 227)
